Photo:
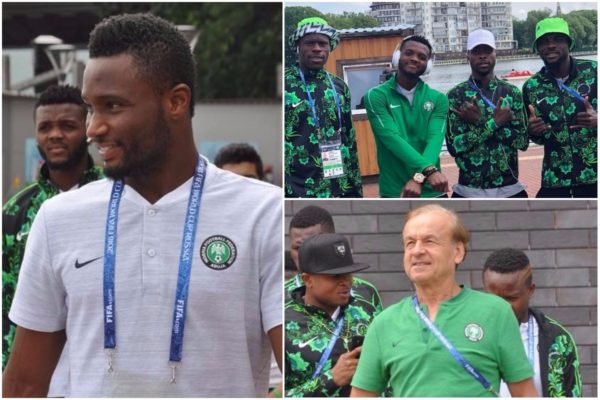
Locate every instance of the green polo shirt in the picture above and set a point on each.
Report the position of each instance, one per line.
(408, 137)
(401, 350)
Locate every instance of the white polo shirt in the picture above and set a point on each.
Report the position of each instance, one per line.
(230, 308)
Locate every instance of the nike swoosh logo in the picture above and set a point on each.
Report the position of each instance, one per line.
(395, 105)
(304, 344)
(539, 101)
(396, 343)
(297, 104)
(83, 264)
(21, 236)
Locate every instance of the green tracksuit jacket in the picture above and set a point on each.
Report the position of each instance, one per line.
(408, 137)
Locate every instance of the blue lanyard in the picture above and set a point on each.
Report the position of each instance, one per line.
(332, 340)
(312, 103)
(475, 87)
(450, 347)
(185, 263)
(530, 339)
(571, 91)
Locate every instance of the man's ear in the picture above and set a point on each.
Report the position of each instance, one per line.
(460, 253)
(177, 101)
(305, 278)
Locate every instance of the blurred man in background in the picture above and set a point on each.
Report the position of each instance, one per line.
(242, 159)
(59, 119)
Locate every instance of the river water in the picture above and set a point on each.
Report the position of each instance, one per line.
(445, 77)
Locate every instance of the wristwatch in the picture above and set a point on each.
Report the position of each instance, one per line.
(427, 172)
(419, 177)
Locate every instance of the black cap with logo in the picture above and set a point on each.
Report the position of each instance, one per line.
(328, 253)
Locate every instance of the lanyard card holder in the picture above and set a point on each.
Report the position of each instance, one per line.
(331, 156)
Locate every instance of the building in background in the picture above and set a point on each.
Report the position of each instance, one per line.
(447, 25)
(46, 43)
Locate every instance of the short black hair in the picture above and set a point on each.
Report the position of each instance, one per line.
(313, 215)
(61, 94)
(506, 260)
(235, 153)
(163, 56)
(417, 38)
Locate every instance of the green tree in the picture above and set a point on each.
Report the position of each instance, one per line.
(349, 20)
(239, 46)
(583, 27)
(519, 29)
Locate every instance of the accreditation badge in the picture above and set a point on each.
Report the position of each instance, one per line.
(333, 164)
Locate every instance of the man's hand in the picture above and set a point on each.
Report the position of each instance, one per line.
(345, 367)
(502, 116)
(412, 189)
(588, 118)
(438, 182)
(536, 125)
(468, 111)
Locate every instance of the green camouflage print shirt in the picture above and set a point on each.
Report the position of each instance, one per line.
(559, 360)
(486, 155)
(309, 329)
(17, 216)
(302, 163)
(570, 155)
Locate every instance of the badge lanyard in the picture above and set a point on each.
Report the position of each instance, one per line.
(312, 104)
(569, 90)
(530, 339)
(185, 263)
(450, 347)
(488, 101)
(331, 154)
(332, 340)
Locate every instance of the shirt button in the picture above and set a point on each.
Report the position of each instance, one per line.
(152, 212)
(151, 252)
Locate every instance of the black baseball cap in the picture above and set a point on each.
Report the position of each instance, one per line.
(328, 254)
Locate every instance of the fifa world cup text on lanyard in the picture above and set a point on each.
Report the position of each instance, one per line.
(183, 280)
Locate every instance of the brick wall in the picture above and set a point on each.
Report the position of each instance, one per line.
(559, 237)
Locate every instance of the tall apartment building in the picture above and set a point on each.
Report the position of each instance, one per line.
(446, 24)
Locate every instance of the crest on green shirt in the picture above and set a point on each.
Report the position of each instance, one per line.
(474, 332)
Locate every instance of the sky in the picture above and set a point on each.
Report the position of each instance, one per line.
(519, 9)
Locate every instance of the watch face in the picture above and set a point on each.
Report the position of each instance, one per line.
(419, 177)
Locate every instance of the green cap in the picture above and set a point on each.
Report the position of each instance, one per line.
(314, 25)
(312, 20)
(552, 25)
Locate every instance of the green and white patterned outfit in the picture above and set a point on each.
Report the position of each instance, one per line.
(486, 154)
(570, 155)
(303, 165)
(308, 330)
(17, 216)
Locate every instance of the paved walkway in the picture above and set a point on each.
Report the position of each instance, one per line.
(530, 172)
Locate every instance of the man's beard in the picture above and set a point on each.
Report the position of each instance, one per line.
(72, 160)
(143, 161)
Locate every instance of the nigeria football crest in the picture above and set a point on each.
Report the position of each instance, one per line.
(218, 252)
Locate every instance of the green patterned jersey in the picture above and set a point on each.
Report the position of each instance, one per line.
(17, 216)
(308, 331)
(570, 154)
(559, 360)
(486, 154)
(303, 165)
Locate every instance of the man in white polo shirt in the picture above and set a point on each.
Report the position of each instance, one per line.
(166, 278)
